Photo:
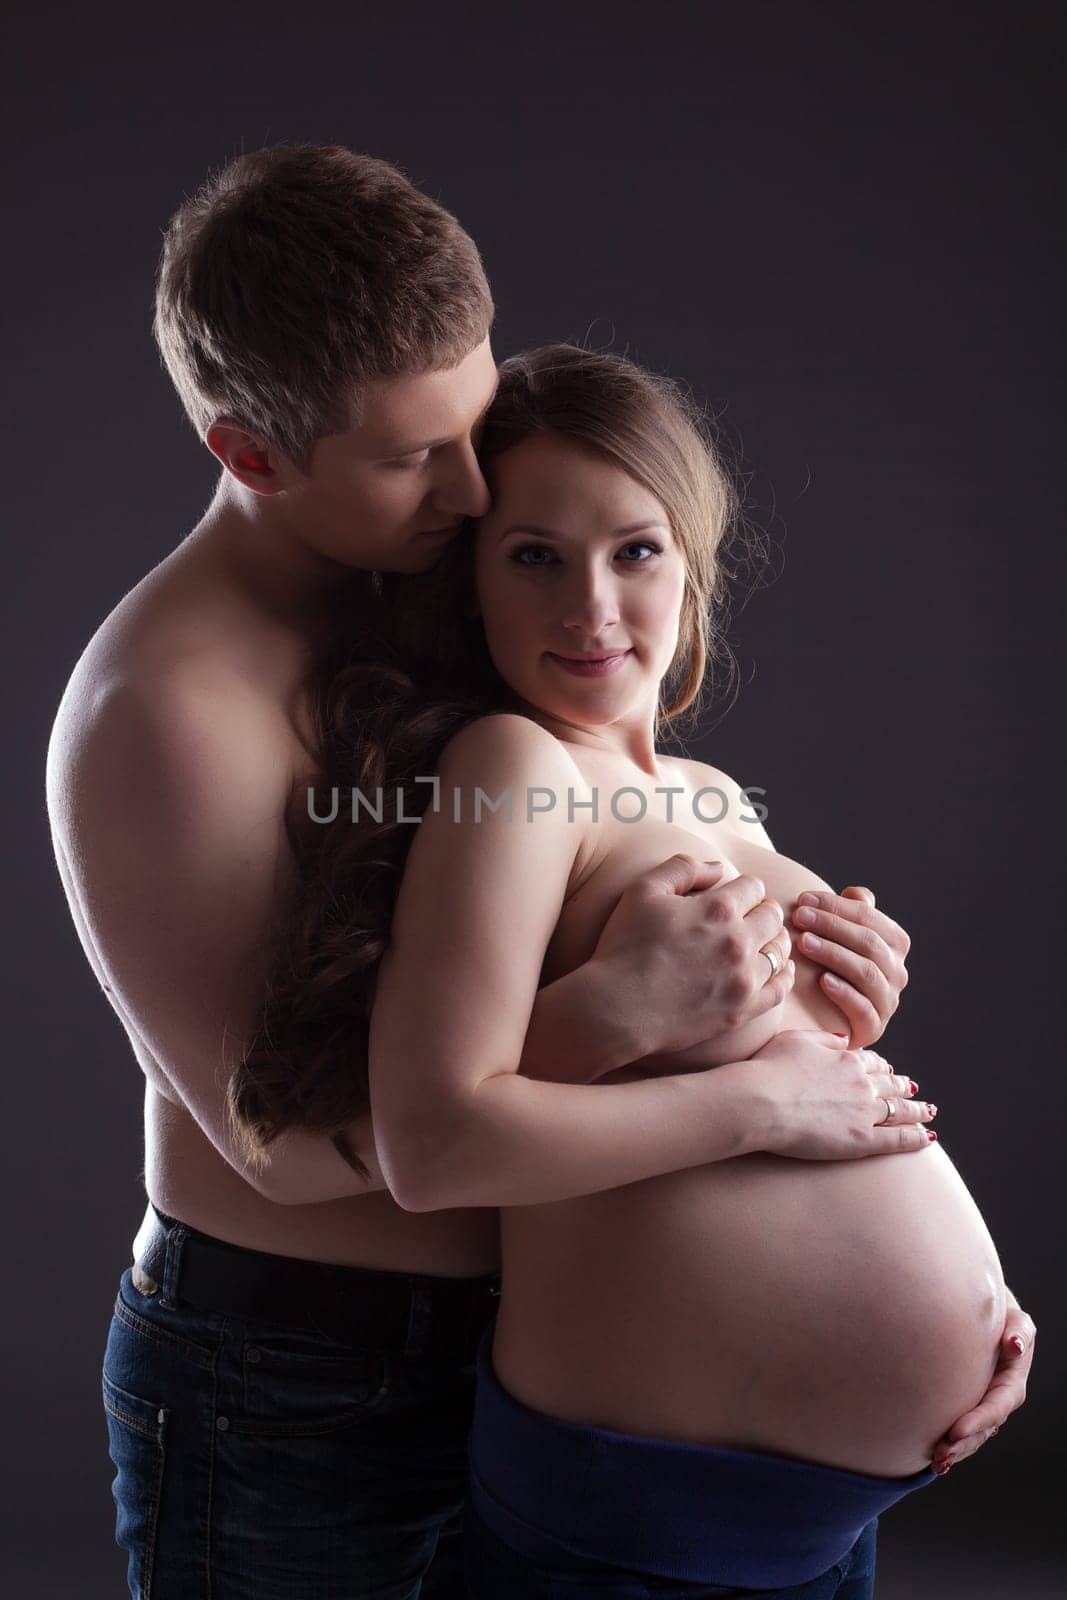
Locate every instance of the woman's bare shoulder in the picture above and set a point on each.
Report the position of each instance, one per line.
(701, 775)
(510, 740)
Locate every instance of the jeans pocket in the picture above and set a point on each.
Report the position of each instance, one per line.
(172, 1333)
(301, 1385)
(137, 1445)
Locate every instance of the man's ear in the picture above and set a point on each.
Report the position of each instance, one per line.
(248, 458)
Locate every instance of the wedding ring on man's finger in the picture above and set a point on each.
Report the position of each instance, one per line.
(774, 958)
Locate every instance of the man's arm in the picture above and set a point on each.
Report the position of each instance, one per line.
(166, 806)
(166, 803)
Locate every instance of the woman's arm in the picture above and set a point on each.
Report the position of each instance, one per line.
(455, 1124)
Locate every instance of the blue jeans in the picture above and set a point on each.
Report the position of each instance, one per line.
(255, 1461)
(495, 1569)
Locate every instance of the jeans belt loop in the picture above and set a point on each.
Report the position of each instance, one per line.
(172, 1266)
(418, 1321)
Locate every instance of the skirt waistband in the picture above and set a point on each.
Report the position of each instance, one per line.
(555, 1489)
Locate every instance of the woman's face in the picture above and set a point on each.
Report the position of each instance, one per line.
(580, 583)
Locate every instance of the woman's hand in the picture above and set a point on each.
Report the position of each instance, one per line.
(681, 956)
(820, 1101)
(1006, 1392)
(864, 952)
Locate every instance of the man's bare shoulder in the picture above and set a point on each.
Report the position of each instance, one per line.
(190, 730)
(177, 678)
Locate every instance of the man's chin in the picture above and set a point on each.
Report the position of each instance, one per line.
(421, 554)
(410, 558)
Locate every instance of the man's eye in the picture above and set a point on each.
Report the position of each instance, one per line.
(405, 463)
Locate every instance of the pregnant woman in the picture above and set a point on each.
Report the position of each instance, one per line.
(702, 1378)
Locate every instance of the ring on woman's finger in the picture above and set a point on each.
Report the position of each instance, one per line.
(890, 1107)
(773, 957)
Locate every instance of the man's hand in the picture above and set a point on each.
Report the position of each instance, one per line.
(682, 955)
(1006, 1392)
(863, 951)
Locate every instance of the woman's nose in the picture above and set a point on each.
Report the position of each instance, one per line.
(591, 606)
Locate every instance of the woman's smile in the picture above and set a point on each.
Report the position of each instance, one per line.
(578, 550)
(598, 666)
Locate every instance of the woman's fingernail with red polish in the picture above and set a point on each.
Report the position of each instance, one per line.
(840, 1035)
(931, 1135)
(914, 1086)
(1018, 1344)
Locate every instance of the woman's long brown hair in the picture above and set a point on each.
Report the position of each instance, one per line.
(405, 669)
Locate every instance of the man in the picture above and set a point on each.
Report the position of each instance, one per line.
(289, 1370)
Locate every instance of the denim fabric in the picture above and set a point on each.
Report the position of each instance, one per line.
(255, 1462)
(495, 1570)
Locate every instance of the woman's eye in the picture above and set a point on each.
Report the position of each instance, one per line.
(519, 556)
(531, 550)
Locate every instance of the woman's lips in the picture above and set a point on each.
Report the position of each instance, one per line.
(591, 666)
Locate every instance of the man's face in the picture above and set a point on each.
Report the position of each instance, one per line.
(390, 493)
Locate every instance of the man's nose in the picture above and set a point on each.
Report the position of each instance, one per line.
(460, 489)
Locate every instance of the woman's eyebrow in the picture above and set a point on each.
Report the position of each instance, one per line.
(549, 533)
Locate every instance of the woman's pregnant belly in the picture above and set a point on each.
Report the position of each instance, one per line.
(840, 1312)
(844, 1312)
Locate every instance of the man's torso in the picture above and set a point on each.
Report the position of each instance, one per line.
(175, 624)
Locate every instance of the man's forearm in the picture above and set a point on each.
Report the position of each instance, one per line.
(576, 1034)
(578, 1031)
(308, 1168)
(579, 1028)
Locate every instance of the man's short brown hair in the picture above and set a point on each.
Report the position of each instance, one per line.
(297, 274)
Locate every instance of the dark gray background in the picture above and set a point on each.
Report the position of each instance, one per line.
(843, 226)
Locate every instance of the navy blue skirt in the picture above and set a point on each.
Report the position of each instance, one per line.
(553, 1490)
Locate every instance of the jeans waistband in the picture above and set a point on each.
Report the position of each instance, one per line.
(555, 1491)
(396, 1313)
